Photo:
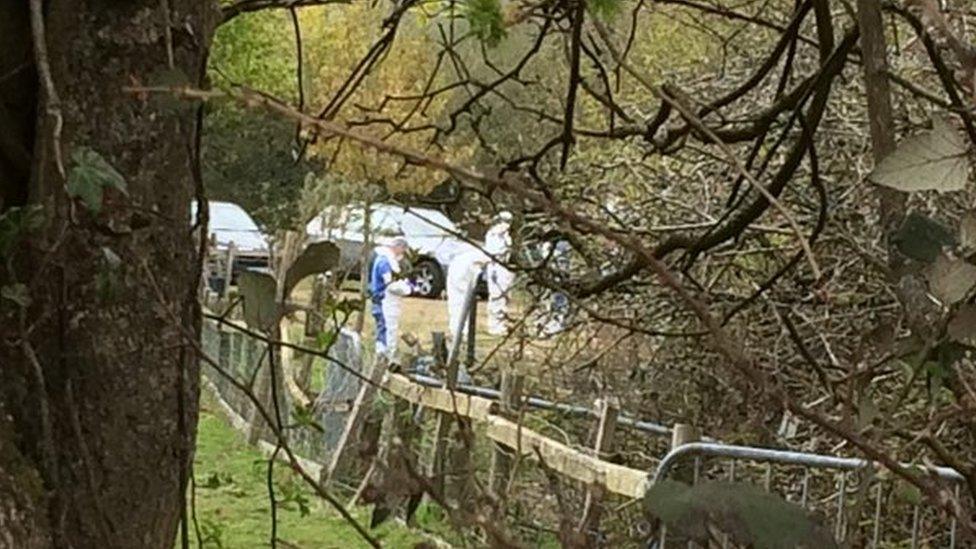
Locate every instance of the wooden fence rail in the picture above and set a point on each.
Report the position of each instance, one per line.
(583, 465)
(569, 462)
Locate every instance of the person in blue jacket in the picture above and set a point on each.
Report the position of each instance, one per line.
(386, 291)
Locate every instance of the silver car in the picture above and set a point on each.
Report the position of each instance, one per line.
(232, 228)
(431, 235)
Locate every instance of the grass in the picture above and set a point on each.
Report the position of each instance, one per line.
(233, 509)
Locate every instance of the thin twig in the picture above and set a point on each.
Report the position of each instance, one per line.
(727, 151)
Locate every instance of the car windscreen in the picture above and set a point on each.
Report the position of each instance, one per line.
(230, 217)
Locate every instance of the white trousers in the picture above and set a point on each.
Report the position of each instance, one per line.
(499, 285)
(391, 316)
(455, 310)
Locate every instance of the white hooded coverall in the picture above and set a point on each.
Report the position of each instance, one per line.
(462, 273)
(390, 305)
(498, 243)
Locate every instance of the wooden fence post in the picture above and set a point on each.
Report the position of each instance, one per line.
(313, 327)
(509, 404)
(229, 267)
(258, 354)
(438, 468)
(224, 352)
(608, 409)
(357, 416)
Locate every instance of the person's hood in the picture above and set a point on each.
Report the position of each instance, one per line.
(390, 256)
(251, 242)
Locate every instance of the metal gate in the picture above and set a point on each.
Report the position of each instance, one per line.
(830, 486)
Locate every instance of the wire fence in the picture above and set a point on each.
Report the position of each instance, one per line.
(863, 507)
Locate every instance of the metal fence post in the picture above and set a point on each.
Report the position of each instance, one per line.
(682, 434)
(472, 327)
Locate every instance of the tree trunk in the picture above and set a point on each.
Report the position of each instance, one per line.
(99, 385)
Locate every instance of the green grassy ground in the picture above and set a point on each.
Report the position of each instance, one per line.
(233, 509)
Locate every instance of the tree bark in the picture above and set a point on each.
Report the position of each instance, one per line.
(881, 119)
(98, 389)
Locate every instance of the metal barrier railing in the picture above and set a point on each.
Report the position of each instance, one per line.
(837, 467)
(545, 404)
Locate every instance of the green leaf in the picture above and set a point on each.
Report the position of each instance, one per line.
(931, 161)
(748, 514)
(90, 175)
(258, 290)
(303, 416)
(907, 493)
(17, 222)
(922, 238)
(962, 327)
(486, 20)
(325, 339)
(951, 279)
(17, 293)
(318, 257)
(604, 9)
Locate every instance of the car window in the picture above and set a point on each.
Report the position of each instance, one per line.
(384, 221)
(230, 217)
(351, 219)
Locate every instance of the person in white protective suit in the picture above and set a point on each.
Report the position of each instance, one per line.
(462, 274)
(386, 292)
(498, 245)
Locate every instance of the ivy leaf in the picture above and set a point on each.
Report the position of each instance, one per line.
(318, 257)
(90, 175)
(485, 18)
(922, 238)
(931, 161)
(951, 279)
(17, 222)
(17, 293)
(748, 514)
(962, 327)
